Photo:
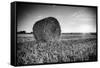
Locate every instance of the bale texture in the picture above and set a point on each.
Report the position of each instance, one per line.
(47, 29)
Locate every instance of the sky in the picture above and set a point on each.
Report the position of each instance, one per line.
(72, 19)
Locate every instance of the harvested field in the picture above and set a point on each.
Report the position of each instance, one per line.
(70, 48)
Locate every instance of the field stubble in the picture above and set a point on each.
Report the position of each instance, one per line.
(70, 48)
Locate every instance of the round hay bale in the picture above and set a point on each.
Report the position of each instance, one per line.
(47, 29)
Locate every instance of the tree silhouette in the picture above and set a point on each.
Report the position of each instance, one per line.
(21, 32)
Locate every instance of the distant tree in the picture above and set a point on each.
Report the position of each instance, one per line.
(93, 33)
(21, 32)
(31, 32)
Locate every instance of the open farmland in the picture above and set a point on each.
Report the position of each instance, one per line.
(70, 48)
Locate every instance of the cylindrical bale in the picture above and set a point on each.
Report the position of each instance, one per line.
(47, 29)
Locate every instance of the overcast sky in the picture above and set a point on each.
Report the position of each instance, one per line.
(71, 18)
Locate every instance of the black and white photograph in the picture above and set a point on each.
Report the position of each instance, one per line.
(46, 33)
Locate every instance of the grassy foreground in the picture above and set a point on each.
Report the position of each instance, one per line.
(31, 52)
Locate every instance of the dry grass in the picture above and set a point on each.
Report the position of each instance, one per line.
(31, 52)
